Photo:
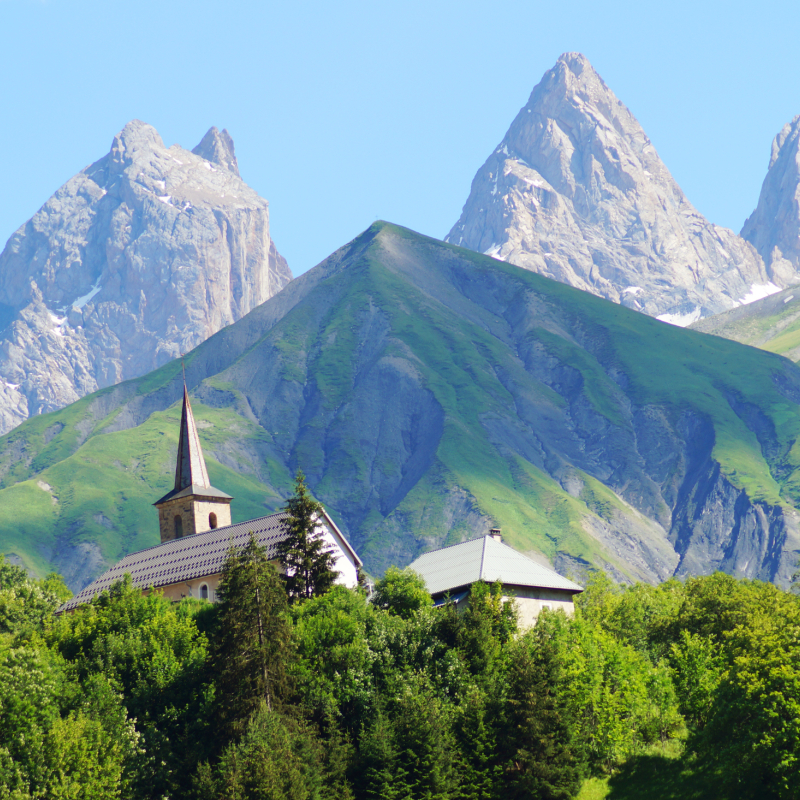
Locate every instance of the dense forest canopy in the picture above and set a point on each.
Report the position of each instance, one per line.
(337, 696)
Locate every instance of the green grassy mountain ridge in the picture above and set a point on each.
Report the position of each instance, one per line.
(429, 392)
(772, 323)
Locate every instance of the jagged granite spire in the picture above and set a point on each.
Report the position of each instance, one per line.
(218, 148)
(576, 192)
(190, 469)
(774, 227)
(140, 257)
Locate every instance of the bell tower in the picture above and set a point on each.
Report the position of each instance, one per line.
(194, 505)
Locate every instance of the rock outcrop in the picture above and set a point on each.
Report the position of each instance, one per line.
(576, 192)
(774, 227)
(140, 257)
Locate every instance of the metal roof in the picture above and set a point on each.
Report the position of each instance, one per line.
(193, 491)
(195, 556)
(485, 559)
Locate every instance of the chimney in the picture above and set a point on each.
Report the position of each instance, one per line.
(495, 534)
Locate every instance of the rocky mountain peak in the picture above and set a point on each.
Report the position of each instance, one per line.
(788, 132)
(139, 257)
(135, 136)
(774, 227)
(217, 147)
(576, 191)
(571, 70)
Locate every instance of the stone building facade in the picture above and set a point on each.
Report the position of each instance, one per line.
(450, 572)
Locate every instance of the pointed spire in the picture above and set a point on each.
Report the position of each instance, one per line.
(191, 467)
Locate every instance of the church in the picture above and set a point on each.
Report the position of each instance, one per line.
(194, 521)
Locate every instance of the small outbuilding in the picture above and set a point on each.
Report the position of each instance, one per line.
(450, 571)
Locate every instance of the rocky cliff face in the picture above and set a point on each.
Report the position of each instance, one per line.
(774, 227)
(141, 256)
(576, 192)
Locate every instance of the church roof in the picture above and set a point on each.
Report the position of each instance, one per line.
(485, 559)
(195, 556)
(191, 475)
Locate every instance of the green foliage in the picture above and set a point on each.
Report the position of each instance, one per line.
(608, 694)
(252, 643)
(408, 749)
(307, 559)
(401, 592)
(333, 670)
(680, 690)
(149, 653)
(482, 629)
(277, 758)
(758, 697)
(24, 603)
(697, 669)
(54, 742)
(541, 750)
(475, 726)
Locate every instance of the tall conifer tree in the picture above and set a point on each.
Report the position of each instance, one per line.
(308, 561)
(253, 641)
(540, 745)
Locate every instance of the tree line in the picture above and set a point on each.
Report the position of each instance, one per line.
(291, 687)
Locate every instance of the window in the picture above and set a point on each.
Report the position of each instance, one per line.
(547, 605)
(204, 590)
(212, 520)
(178, 526)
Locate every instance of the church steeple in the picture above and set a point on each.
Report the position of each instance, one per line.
(191, 467)
(194, 505)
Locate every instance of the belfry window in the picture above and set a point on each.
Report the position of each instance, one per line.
(178, 526)
(212, 520)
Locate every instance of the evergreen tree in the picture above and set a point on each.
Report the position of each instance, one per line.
(252, 644)
(539, 741)
(476, 735)
(278, 758)
(307, 559)
(376, 774)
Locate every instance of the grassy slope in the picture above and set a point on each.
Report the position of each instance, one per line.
(459, 368)
(661, 773)
(772, 324)
(104, 485)
(104, 491)
(680, 368)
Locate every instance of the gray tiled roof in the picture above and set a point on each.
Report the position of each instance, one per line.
(485, 559)
(190, 557)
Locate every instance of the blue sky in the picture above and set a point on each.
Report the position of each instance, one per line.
(350, 111)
